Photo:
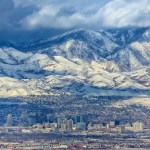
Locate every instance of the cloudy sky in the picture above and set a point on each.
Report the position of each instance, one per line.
(22, 20)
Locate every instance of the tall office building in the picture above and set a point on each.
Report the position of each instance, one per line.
(117, 122)
(137, 126)
(64, 121)
(63, 127)
(81, 126)
(128, 127)
(9, 121)
(23, 119)
(53, 126)
(79, 119)
(48, 117)
(148, 123)
(111, 124)
(70, 124)
(59, 121)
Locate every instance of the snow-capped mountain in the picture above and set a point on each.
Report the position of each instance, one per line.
(128, 48)
(87, 62)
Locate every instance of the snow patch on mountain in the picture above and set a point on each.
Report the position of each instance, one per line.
(80, 62)
(144, 101)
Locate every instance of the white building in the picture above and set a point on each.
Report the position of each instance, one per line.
(128, 127)
(137, 126)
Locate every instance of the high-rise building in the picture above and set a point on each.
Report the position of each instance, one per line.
(79, 119)
(53, 126)
(148, 123)
(137, 126)
(23, 119)
(81, 126)
(111, 123)
(117, 122)
(48, 117)
(128, 127)
(104, 123)
(64, 121)
(59, 120)
(63, 127)
(70, 124)
(9, 121)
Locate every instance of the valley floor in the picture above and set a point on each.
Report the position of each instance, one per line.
(124, 141)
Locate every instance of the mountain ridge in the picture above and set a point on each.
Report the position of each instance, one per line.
(79, 62)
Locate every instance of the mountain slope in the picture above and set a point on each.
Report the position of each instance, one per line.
(80, 62)
(129, 49)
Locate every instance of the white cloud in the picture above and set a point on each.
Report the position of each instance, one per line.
(54, 15)
(120, 13)
(116, 13)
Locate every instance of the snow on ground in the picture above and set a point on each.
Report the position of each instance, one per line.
(143, 101)
(84, 62)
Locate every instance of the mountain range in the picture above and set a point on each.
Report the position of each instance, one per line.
(79, 62)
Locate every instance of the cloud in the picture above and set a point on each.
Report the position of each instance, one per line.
(121, 13)
(60, 14)
(65, 14)
(52, 16)
(57, 15)
(30, 19)
(115, 13)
